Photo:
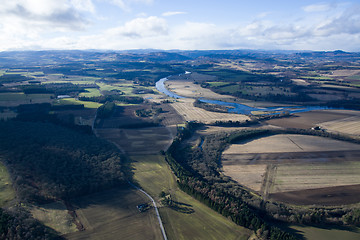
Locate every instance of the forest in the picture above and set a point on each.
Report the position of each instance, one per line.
(49, 162)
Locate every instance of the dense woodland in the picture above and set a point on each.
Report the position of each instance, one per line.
(110, 98)
(49, 162)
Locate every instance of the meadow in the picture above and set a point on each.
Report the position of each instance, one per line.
(54, 215)
(113, 214)
(154, 175)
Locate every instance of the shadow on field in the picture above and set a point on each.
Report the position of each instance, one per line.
(299, 234)
(181, 207)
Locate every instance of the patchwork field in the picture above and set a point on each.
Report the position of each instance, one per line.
(138, 141)
(350, 125)
(113, 215)
(188, 88)
(297, 168)
(315, 118)
(186, 109)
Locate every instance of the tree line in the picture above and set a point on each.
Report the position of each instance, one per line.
(199, 180)
(198, 170)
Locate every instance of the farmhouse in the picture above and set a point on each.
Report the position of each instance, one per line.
(142, 207)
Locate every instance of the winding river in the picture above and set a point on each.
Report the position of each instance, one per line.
(237, 107)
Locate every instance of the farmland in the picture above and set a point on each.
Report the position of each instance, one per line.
(289, 163)
(203, 223)
(138, 141)
(253, 175)
(113, 213)
(185, 108)
(311, 119)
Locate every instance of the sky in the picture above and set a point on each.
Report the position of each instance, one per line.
(179, 24)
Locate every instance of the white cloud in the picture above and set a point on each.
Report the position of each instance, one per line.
(348, 23)
(83, 5)
(322, 31)
(168, 14)
(45, 14)
(141, 28)
(54, 24)
(319, 7)
(125, 4)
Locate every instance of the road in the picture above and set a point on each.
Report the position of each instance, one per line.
(156, 209)
(152, 200)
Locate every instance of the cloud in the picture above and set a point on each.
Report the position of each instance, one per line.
(46, 14)
(168, 14)
(320, 7)
(125, 4)
(347, 23)
(83, 5)
(141, 28)
(320, 31)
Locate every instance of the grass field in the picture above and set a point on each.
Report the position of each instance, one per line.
(54, 215)
(217, 84)
(123, 87)
(15, 99)
(154, 175)
(7, 193)
(87, 104)
(91, 92)
(326, 233)
(112, 214)
(18, 98)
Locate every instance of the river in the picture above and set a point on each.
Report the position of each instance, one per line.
(237, 107)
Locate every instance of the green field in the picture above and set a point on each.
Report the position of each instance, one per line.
(217, 84)
(230, 89)
(317, 77)
(7, 193)
(318, 233)
(154, 175)
(54, 215)
(124, 87)
(23, 97)
(91, 92)
(87, 104)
